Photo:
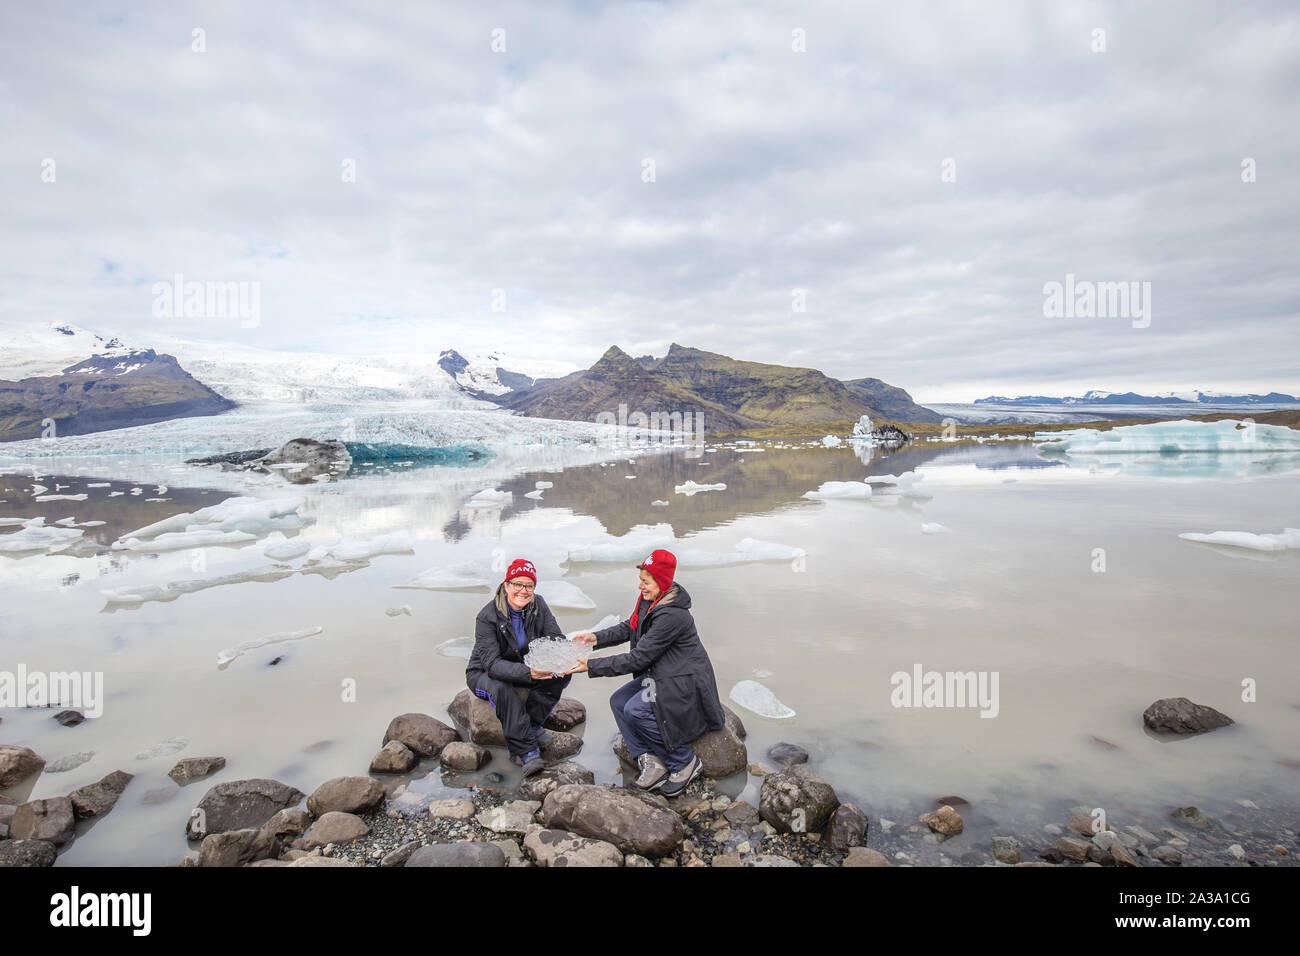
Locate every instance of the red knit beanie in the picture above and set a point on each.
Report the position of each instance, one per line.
(521, 568)
(661, 565)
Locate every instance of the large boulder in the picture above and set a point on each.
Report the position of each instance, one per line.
(562, 746)
(514, 816)
(17, 763)
(568, 713)
(315, 457)
(287, 824)
(1178, 715)
(635, 822)
(458, 854)
(540, 784)
(463, 756)
(348, 794)
(476, 717)
(96, 799)
(559, 848)
(51, 820)
(395, 757)
(335, 827)
(27, 853)
(847, 829)
(722, 752)
(422, 734)
(239, 804)
(237, 847)
(796, 800)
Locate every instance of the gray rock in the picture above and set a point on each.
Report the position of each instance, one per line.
(513, 851)
(1178, 715)
(1105, 839)
(190, 769)
(847, 828)
(395, 757)
(723, 752)
(96, 799)
(479, 720)
(236, 847)
(785, 755)
(287, 824)
(1237, 852)
(514, 816)
(796, 800)
(329, 457)
(399, 856)
(861, 856)
(1141, 835)
(559, 848)
(540, 784)
(27, 853)
(1192, 816)
(335, 827)
(17, 763)
(459, 755)
(769, 859)
(453, 809)
(634, 822)
(568, 713)
(239, 804)
(1006, 849)
(1167, 855)
(1072, 848)
(422, 734)
(51, 820)
(348, 794)
(69, 718)
(742, 815)
(69, 761)
(458, 854)
(321, 861)
(562, 746)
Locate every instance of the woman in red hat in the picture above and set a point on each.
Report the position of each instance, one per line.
(514, 618)
(672, 699)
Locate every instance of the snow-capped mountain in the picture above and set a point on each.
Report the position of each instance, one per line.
(496, 373)
(1100, 397)
(49, 350)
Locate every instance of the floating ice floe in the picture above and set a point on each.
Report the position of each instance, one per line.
(556, 656)
(840, 489)
(228, 655)
(753, 696)
(1227, 435)
(457, 647)
(35, 536)
(139, 594)
(748, 551)
(1289, 538)
(184, 540)
(490, 498)
(11, 522)
(98, 484)
(169, 745)
(903, 485)
(398, 611)
(933, 527)
(543, 485)
(629, 548)
(81, 497)
(691, 488)
(862, 429)
(565, 595)
(360, 549)
(287, 550)
(832, 441)
(535, 495)
(252, 516)
(659, 504)
(447, 579)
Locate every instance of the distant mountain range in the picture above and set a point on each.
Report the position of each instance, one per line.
(115, 390)
(729, 393)
(1096, 397)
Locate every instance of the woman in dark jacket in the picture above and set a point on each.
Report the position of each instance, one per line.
(672, 699)
(514, 618)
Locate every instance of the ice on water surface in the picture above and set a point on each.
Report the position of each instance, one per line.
(753, 696)
(564, 594)
(840, 489)
(457, 647)
(448, 579)
(228, 655)
(556, 656)
(692, 488)
(170, 745)
(1287, 540)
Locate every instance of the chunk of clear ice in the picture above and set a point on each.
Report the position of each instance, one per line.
(556, 656)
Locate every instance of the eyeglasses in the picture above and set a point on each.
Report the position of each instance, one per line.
(522, 587)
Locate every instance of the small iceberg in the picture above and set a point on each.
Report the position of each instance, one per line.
(287, 550)
(354, 549)
(840, 489)
(447, 579)
(1288, 539)
(691, 488)
(490, 498)
(228, 655)
(565, 595)
(459, 647)
(933, 527)
(170, 745)
(754, 697)
(832, 441)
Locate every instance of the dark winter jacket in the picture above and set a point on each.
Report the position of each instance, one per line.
(671, 661)
(496, 652)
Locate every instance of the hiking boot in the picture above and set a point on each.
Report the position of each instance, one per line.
(544, 737)
(679, 781)
(532, 762)
(653, 773)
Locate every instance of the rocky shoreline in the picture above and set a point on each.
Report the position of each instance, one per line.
(561, 817)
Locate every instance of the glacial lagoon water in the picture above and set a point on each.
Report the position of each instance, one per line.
(1068, 582)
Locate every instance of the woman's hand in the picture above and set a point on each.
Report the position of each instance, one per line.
(579, 668)
(587, 638)
(540, 675)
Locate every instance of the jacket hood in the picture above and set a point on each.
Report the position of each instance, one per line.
(675, 596)
(503, 606)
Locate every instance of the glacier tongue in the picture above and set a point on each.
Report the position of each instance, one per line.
(1225, 436)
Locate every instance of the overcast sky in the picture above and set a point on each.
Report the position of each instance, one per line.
(775, 169)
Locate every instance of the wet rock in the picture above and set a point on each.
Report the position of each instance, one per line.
(1178, 715)
(559, 848)
(321, 861)
(635, 822)
(395, 757)
(238, 804)
(722, 752)
(953, 801)
(477, 717)
(399, 856)
(727, 859)
(1099, 856)
(1081, 823)
(742, 815)
(190, 769)
(513, 851)
(329, 457)
(785, 755)
(1192, 816)
(335, 827)
(540, 784)
(348, 794)
(454, 809)
(847, 828)
(514, 816)
(68, 762)
(1006, 849)
(51, 820)
(796, 800)
(1142, 836)
(1237, 852)
(69, 718)
(1072, 849)
(769, 859)
(287, 824)
(18, 763)
(1105, 839)
(236, 847)
(1119, 856)
(458, 854)
(27, 853)
(862, 856)
(562, 746)
(422, 734)
(1167, 855)
(96, 799)
(945, 821)
(568, 713)
(462, 756)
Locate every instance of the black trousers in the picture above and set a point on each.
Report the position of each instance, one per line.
(520, 708)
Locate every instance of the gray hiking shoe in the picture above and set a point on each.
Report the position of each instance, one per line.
(679, 781)
(543, 737)
(653, 772)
